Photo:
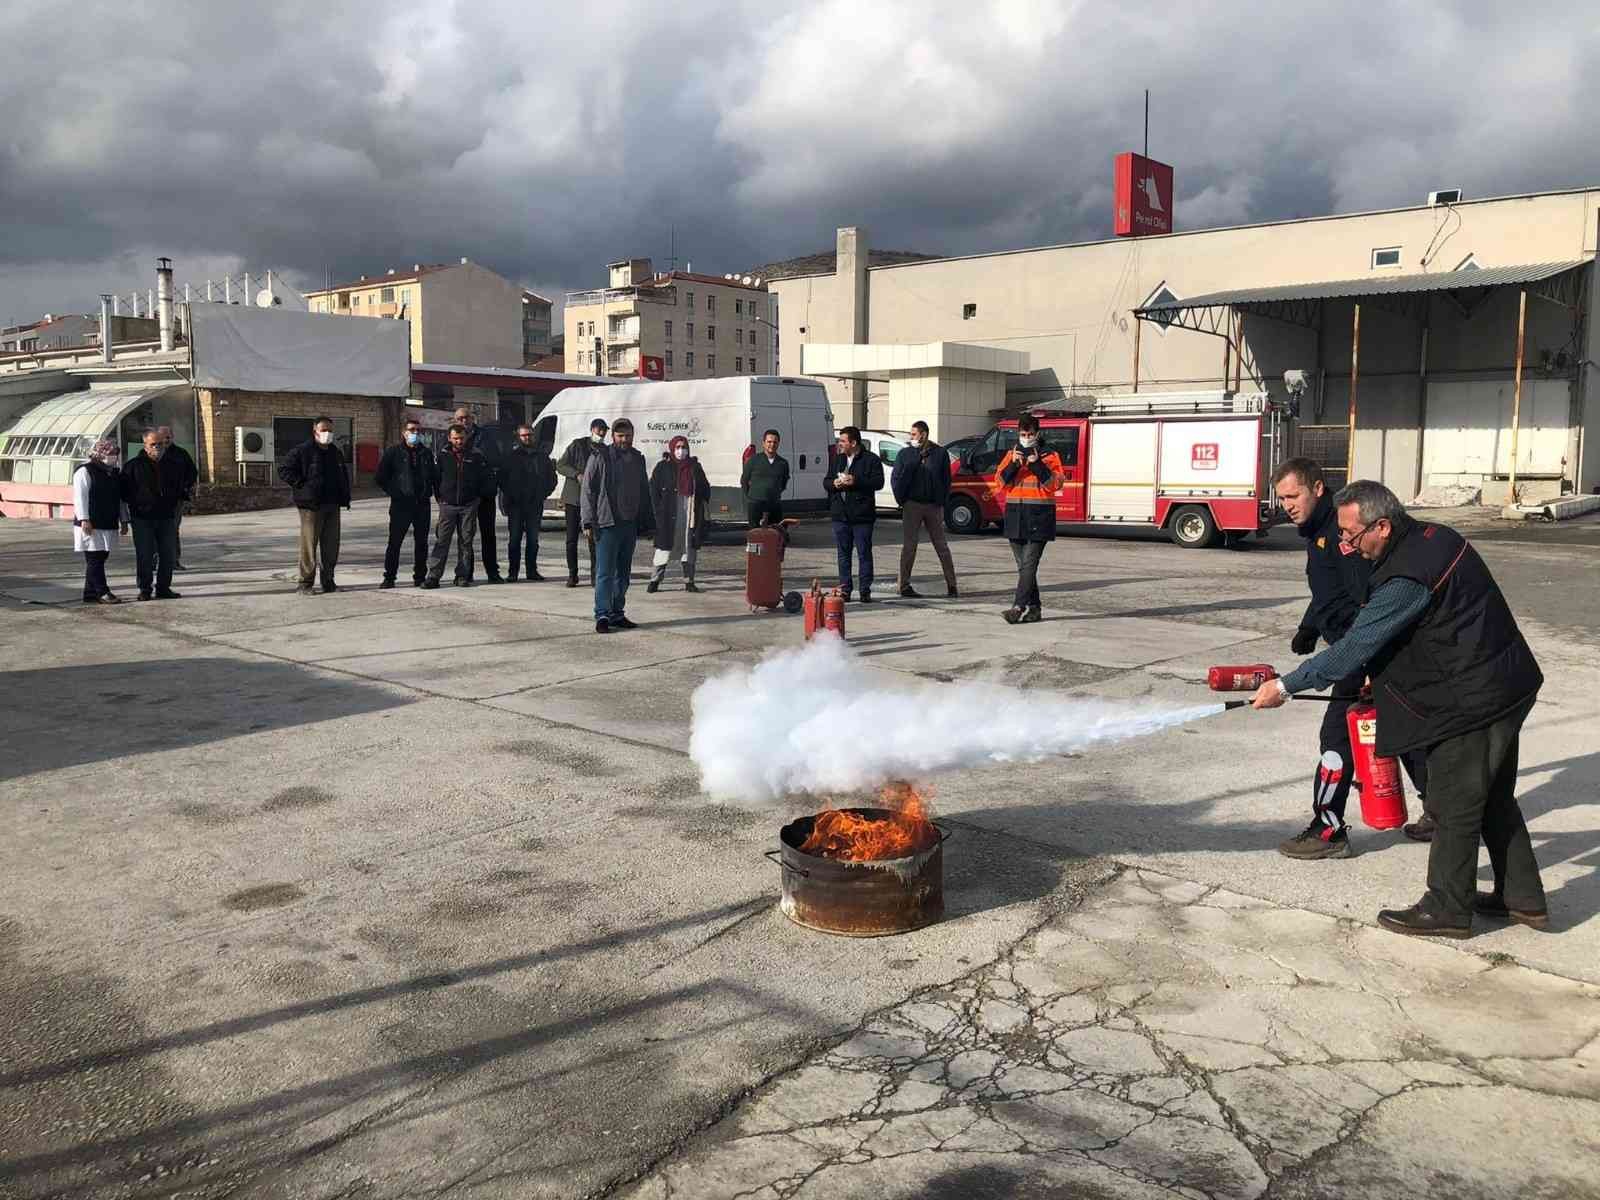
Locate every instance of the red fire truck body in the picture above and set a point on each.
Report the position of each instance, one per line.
(1195, 464)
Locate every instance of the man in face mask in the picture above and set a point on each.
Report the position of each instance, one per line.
(527, 477)
(152, 487)
(571, 466)
(315, 469)
(1029, 476)
(921, 484)
(407, 474)
(191, 476)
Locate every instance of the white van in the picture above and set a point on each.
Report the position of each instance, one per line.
(722, 418)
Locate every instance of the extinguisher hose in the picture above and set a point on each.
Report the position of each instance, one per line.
(1231, 704)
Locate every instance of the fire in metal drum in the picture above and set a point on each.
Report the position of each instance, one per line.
(860, 899)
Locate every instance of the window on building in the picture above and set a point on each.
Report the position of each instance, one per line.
(711, 304)
(711, 333)
(669, 360)
(688, 360)
(1386, 256)
(968, 311)
(738, 307)
(738, 366)
(688, 331)
(688, 301)
(711, 363)
(388, 296)
(669, 328)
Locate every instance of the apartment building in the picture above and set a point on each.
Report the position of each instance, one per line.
(536, 339)
(676, 325)
(460, 313)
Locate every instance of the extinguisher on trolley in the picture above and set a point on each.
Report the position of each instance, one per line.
(1383, 796)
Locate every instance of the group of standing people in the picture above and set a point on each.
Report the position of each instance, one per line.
(145, 496)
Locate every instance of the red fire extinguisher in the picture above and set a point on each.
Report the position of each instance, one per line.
(824, 610)
(1383, 797)
(1239, 679)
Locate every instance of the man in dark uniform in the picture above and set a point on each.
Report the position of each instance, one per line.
(1451, 675)
(1337, 576)
(408, 475)
(484, 440)
(574, 459)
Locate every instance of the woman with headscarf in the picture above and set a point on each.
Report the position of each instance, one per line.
(681, 493)
(98, 513)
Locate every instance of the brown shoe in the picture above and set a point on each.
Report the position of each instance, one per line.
(1012, 615)
(1493, 905)
(1420, 830)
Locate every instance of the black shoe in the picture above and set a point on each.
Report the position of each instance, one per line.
(304, 589)
(1315, 841)
(653, 586)
(146, 596)
(1420, 830)
(179, 567)
(602, 626)
(499, 579)
(910, 593)
(1012, 615)
(430, 585)
(419, 582)
(511, 578)
(846, 591)
(951, 592)
(572, 581)
(1418, 921)
(1493, 905)
(535, 577)
(866, 596)
(689, 586)
(1033, 614)
(169, 594)
(329, 588)
(109, 598)
(622, 623)
(386, 585)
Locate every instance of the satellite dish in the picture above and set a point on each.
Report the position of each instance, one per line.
(745, 281)
(265, 298)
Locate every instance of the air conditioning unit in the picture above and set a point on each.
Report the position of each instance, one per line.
(1446, 196)
(252, 443)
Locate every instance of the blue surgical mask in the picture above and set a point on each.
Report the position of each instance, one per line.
(413, 438)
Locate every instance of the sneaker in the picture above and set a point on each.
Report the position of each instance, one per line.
(622, 623)
(169, 594)
(1493, 905)
(1316, 840)
(1012, 615)
(386, 585)
(910, 593)
(1033, 614)
(110, 598)
(602, 626)
(1420, 830)
(653, 586)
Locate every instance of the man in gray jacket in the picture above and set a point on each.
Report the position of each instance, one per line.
(615, 505)
(570, 467)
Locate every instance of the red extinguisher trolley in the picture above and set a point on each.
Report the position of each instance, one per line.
(763, 569)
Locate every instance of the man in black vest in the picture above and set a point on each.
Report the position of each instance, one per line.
(1337, 577)
(152, 486)
(1452, 675)
(408, 475)
(484, 440)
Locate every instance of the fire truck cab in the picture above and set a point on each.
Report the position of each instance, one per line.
(1195, 464)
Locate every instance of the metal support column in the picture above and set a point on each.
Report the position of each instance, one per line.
(1238, 352)
(1355, 377)
(1516, 394)
(1138, 327)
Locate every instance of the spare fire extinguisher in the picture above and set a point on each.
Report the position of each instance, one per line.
(1239, 679)
(824, 610)
(1383, 796)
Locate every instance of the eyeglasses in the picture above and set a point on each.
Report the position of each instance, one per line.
(1350, 539)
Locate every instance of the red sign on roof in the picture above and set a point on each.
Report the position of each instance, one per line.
(1143, 196)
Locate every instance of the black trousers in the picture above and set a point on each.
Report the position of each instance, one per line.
(575, 532)
(486, 536)
(1027, 555)
(1330, 785)
(522, 526)
(155, 549)
(771, 510)
(94, 574)
(412, 518)
(1472, 785)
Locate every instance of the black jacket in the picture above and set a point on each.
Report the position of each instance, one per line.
(527, 477)
(485, 439)
(1464, 664)
(153, 488)
(105, 496)
(408, 475)
(764, 482)
(317, 475)
(1336, 575)
(858, 503)
(462, 479)
(666, 504)
(921, 474)
(191, 473)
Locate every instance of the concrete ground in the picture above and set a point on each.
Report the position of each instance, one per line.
(415, 894)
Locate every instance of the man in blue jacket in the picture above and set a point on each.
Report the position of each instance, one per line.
(921, 484)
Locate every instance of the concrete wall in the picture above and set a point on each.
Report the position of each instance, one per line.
(374, 421)
(469, 315)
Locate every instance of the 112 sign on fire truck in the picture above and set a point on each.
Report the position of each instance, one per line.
(1195, 464)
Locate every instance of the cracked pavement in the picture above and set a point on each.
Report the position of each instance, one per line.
(1169, 1039)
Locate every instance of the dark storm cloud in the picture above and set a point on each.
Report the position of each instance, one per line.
(544, 140)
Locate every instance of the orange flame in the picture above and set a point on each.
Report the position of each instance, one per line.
(852, 838)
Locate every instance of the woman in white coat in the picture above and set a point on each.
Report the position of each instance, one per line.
(98, 513)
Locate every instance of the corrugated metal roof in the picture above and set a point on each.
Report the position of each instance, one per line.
(1376, 285)
(70, 423)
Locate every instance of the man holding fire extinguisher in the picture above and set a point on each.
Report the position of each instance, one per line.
(1337, 577)
(1451, 675)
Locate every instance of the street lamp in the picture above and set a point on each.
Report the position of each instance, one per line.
(773, 356)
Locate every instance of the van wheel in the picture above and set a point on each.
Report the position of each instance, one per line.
(1193, 527)
(961, 515)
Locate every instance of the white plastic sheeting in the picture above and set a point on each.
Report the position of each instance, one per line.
(270, 350)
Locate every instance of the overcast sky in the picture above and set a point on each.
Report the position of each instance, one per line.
(546, 139)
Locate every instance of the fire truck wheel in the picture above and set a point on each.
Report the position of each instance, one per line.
(961, 515)
(1193, 527)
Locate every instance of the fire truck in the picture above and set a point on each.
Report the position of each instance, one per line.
(1194, 464)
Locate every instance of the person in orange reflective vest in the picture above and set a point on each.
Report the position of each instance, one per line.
(1029, 477)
